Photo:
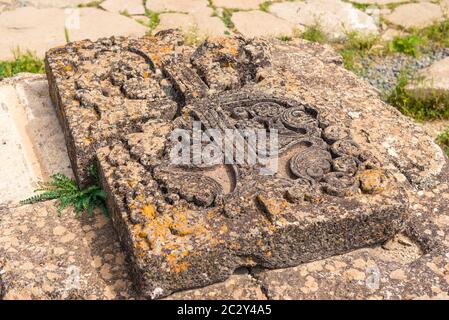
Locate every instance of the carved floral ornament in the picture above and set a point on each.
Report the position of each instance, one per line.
(313, 155)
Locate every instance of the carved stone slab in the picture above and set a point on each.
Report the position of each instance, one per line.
(186, 226)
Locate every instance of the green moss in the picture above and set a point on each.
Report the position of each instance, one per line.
(443, 140)
(265, 5)
(426, 108)
(227, 18)
(23, 62)
(360, 6)
(91, 4)
(285, 38)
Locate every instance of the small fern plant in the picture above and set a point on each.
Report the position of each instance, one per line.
(68, 193)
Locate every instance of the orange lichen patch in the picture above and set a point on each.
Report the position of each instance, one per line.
(223, 229)
(146, 74)
(372, 181)
(148, 211)
(88, 140)
(235, 245)
(68, 68)
(158, 55)
(272, 206)
(181, 267)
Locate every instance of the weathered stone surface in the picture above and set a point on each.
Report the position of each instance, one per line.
(379, 2)
(132, 7)
(31, 144)
(432, 81)
(237, 287)
(406, 15)
(188, 226)
(47, 256)
(411, 266)
(239, 4)
(258, 23)
(335, 17)
(185, 6)
(30, 28)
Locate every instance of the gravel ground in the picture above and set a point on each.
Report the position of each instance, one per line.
(383, 72)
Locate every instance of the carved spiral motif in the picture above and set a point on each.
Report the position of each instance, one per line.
(345, 147)
(340, 184)
(297, 119)
(334, 133)
(240, 113)
(313, 163)
(196, 188)
(345, 164)
(267, 109)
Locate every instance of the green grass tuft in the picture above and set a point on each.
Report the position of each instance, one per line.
(23, 62)
(315, 33)
(227, 18)
(66, 191)
(421, 109)
(153, 20)
(265, 5)
(443, 141)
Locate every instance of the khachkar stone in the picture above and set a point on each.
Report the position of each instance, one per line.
(343, 178)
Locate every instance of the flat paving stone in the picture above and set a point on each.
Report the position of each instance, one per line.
(258, 23)
(185, 6)
(32, 145)
(415, 15)
(335, 17)
(239, 4)
(203, 25)
(132, 7)
(29, 28)
(432, 81)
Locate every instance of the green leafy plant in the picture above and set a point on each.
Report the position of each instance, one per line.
(67, 192)
(407, 45)
(153, 20)
(23, 62)
(443, 140)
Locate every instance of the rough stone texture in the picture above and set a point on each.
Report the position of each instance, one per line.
(237, 287)
(258, 23)
(30, 28)
(132, 7)
(239, 4)
(31, 145)
(13, 4)
(185, 6)
(412, 266)
(432, 81)
(168, 218)
(47, 256)
(335, 17)
(380, 2)
(406, 17)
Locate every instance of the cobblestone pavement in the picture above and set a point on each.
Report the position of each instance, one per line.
(24, 24)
